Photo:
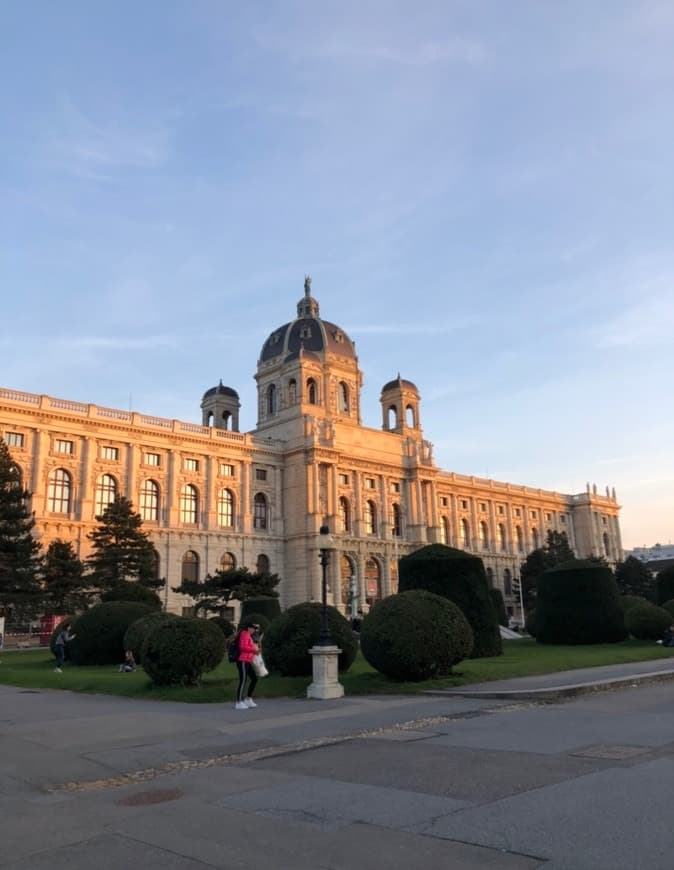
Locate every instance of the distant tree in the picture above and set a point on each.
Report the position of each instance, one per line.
(122, 551)
(65, 586)
(20, 590)
(217, 589)
(633, 577)
(555, 551)
(665, 585)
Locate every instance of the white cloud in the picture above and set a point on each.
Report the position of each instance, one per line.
(648, 322)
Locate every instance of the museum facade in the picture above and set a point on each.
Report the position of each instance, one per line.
(213, 497)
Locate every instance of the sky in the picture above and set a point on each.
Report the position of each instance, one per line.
(482, 193)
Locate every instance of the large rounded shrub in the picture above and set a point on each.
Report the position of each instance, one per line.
(460, 577)
(100, 632)
(225, 626)
(415, 635)
(627, 602)
(577, 603)
(133, 592)
(669, 606)
(134, 636)
(647, 621)
(180, 650)
(269, 608)
(291, 635)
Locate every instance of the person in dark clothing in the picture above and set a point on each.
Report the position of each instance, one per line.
(62, 638)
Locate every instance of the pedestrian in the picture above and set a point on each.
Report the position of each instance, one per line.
(62, 638)
(247, 676)
(128, 666)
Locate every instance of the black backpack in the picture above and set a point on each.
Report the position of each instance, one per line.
(233, 649)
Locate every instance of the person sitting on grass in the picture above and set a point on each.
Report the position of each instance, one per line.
(128, 666)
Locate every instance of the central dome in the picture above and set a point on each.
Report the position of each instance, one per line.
(307, 333)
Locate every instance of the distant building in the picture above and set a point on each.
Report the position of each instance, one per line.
(213, 497)
(657, 558)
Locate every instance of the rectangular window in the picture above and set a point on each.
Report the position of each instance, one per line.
(62, 446)
(518, 512)
(548, 518)
(260, 474)
(344, 479)
(562, 518)
(395, 486)
(226, 469)
(370, 482)
(532, 514)
(464, 504)
(152, 459)
(110, 453)
(191, 465)
(14, 439)
(603, 520)
(501, 510)
(443, 501)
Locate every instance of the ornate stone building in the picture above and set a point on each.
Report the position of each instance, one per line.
(214, 497)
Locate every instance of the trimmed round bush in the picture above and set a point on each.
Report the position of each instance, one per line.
(69, 620)
(577, 602)
(134, 636)
(290, 636)
(179, 650)
(530, 623)
(415, 635)
(669, 607)
(647, 621)
(664, 585)
(259, 619)
(627, 602)
(225, 626)
(133, 592)
(100, 632)
(460, 577)
(499, 607)
(269, 608)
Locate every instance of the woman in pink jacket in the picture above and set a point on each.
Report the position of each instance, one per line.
(247, 676)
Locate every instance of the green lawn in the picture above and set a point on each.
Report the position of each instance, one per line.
(34, 669)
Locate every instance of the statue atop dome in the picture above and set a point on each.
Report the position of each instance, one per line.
(307, 286)
(307, 306)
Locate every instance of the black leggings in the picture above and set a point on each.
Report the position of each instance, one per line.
(246, 675)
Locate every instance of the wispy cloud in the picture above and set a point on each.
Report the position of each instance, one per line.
(411, 328)
(456, 49)
(649, 322)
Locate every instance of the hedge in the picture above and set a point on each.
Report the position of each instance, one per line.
(134, 636)
(127, 591)
(290, 636)
(180, 650)
(648, 621)
(100, 632)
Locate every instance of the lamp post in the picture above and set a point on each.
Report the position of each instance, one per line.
(324, 558)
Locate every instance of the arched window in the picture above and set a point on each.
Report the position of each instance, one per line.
(271, 399)
(607, 546)
(149, 500)
(226, 508)
(392, 417)
(292, 391)
(534, 537)
(262, 564)
(343, 393)
(464, 534)
(59, 493)
(344, 515)
(347, 570)
(490, 577)
(500, 537)
(260, 512)
(106, 493)
(189, 504)
(444, 530)
(396, 521)
(410, 417)
(312, 392)
(209, 421)
(370, 518)
(373, 590)
(190, 567)
(484, 535)
(226, 420)
(507, 581)
(520, 539)
(228, 562)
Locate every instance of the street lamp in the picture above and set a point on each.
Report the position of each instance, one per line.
(324, 558)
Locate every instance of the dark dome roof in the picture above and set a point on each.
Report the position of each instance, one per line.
(221, 390)
(307, 332)
(305, 354)
(399, 383)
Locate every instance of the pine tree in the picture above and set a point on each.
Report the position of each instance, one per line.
(66, 588)
(122, 551)
(555, 551)
(216, 590)
(20, 589)
(635, 578)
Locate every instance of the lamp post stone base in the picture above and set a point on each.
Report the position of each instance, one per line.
(325, 661)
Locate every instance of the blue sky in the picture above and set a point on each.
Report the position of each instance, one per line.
(482, 192)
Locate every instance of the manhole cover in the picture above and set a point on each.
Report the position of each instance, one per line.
(612, 753)
(145, 798)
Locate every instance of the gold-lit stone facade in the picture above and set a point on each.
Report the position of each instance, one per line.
(212, 496)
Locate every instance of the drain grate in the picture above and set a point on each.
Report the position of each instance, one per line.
(145, 798)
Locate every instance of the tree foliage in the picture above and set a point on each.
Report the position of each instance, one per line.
(633, 577)
(555, 551)
(20, 561)
(65, 586)
(122, 551)
(665, 584)
(214, 593)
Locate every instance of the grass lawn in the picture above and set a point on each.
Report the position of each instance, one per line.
(34, 669)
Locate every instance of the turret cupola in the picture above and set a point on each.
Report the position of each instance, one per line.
(220, 408)
(400, 406)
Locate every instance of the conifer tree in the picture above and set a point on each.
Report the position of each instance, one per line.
(20, 589)
(555, 551)
(122, 551)
(216, 590)
(65, 587)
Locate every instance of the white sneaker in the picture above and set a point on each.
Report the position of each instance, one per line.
(58, 671)
(240, 705)
(250, 703)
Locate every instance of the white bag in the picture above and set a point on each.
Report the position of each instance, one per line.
(259, 666)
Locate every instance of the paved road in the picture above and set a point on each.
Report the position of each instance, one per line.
(363, 782)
